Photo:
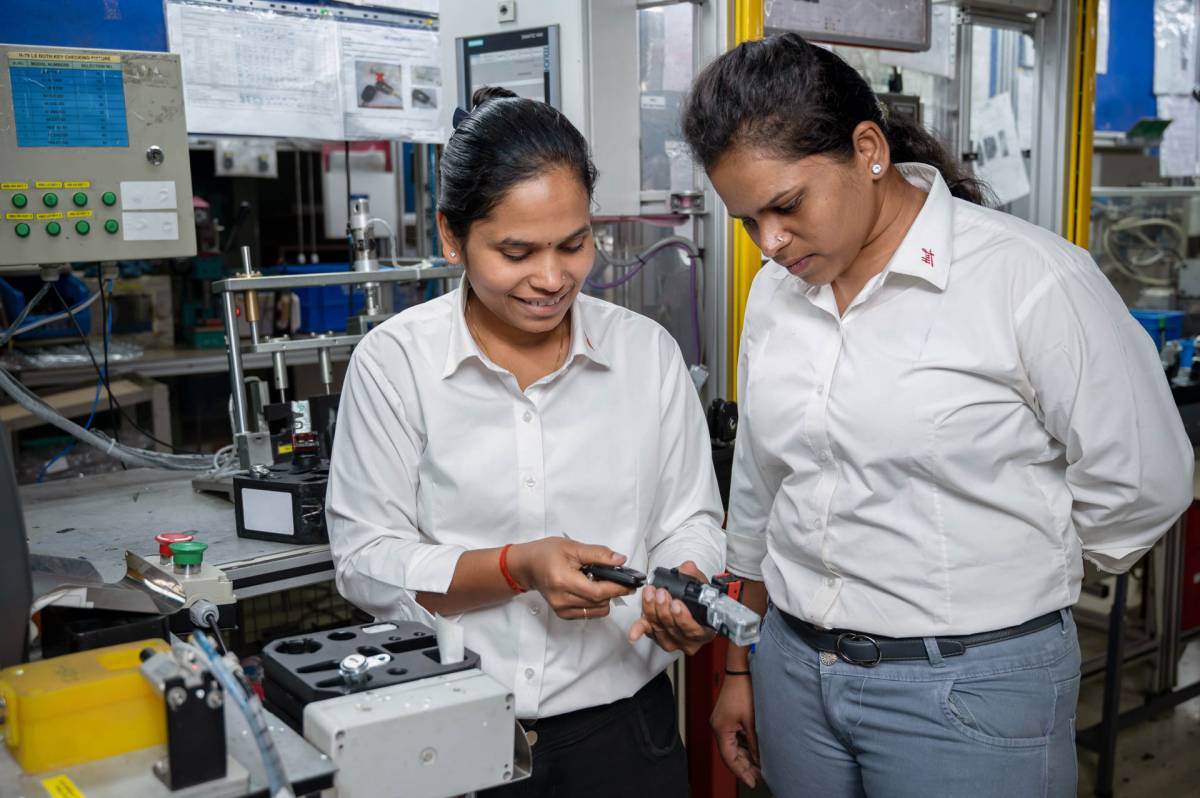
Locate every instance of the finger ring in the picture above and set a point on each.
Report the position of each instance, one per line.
(585, 613)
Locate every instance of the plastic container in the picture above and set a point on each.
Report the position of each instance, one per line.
(81, 707)
(325, 308)
(1162, 325)
(73, 290)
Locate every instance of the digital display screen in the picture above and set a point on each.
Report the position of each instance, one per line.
(64, 102)
(524, 62)
(520, 71)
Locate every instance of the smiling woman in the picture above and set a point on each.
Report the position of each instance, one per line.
(494, 441)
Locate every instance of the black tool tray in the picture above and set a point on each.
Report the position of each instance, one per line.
(301, 669)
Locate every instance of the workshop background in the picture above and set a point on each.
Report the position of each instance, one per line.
(278, 192)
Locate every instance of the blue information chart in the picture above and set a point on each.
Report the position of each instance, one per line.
(64, 101)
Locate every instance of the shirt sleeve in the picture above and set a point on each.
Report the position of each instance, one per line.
(686, 519)
(1099, 387)
(380, 560)
(752, 488)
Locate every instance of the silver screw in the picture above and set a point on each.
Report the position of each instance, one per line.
(155, 155)
(176, 697)
(215, 699)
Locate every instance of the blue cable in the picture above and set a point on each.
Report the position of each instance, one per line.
(95, 400)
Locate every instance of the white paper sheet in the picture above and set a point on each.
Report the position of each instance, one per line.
(1174, 46)
(995, 137)
(1179, 153)
(1102, 19)
(257, 73)
(392, 83)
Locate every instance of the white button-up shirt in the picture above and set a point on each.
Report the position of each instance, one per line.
(936, 460)
(438, 451)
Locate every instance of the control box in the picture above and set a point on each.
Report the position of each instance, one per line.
(93, 156)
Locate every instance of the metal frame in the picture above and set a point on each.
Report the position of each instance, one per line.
(1102, 737)
(228, 287)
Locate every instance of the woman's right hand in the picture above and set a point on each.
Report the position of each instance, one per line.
(732, 723)
(551, 567)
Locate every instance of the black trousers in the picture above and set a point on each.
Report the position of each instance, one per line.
(630, 747)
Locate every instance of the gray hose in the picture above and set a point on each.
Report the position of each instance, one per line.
(141, 458)
(15, 327)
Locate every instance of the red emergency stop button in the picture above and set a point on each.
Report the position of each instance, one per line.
(165, 540)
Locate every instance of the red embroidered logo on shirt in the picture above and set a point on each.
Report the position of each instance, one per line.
(927, 256)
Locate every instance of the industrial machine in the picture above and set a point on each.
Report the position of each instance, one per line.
(93, 156)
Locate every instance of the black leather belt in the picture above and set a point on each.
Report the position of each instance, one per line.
(870, 650)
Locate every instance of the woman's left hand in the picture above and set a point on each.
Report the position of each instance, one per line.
(668, 622)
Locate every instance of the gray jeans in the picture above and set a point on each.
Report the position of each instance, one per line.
(995, 722)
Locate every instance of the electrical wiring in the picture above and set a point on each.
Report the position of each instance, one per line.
(15, 327)
(635, 266)
(103, 375)
(91, 415)
(250, 706)
(52, 318)
(1160, 254)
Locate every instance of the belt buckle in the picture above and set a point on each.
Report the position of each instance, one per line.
(855, 637)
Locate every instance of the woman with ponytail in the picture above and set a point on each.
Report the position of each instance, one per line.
(944, 411)
(495, 441)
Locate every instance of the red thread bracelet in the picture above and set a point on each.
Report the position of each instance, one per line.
(508, 577)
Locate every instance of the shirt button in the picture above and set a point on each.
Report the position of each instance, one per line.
(820, 390)
(535, 610)
(530, 482)
(831, 582)
(824, 457)
(529, 674)
(527, 417)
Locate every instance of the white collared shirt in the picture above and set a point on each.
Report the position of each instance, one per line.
(438, 452)
(936, 460)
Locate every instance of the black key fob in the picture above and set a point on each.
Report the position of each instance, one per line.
(615, 573)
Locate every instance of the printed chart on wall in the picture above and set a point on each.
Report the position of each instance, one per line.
(391, 82)
(306, 71)
(998, 145)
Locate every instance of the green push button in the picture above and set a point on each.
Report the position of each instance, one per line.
(20, 200)
(189, 553)
(54, 228)
(111, 226)
(22, 230)
(50, 199)
(80, 199)
(108, 198)
(82, 227)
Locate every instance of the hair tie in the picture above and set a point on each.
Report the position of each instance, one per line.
(459, 116)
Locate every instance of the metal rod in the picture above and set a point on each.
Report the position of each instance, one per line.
(420, 200)
(402, 274)
(251, 297)
(279, 367)
(1110, 720)
(299, 205)
(306, 344)
(1172, 599)
(326, 369)
(400, 228)
(236, 383)
(315, 163)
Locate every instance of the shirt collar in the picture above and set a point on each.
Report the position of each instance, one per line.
(584, 340)
(927, 248)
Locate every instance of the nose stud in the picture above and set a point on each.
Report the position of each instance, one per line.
(779, 239)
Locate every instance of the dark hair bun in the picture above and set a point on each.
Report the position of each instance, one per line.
(485, 94)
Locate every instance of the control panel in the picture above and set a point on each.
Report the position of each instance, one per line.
(93, 156)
